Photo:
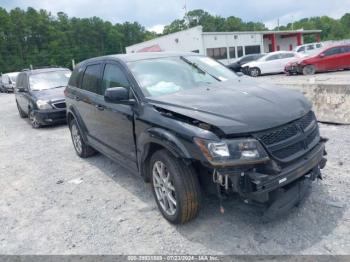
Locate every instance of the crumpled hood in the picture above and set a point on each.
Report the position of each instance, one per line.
(237, 106)
(50, 94)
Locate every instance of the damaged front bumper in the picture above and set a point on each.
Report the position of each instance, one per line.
(309, 164)
(277, 193)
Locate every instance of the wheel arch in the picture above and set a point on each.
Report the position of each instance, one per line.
(155, 139)
(72, 113)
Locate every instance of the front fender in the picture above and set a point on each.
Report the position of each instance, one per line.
(165, 139)
(160, 137)
(82, 127)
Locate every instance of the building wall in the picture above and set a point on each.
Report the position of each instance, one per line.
(187, 41)
(283, 43)
(218, 40)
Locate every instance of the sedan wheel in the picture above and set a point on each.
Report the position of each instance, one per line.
(254, 72)
(164, 188)
(309, 70)
(33, 120)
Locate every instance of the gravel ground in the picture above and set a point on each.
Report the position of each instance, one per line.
(53, 202)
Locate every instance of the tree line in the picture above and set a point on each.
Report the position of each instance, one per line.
(38, 38)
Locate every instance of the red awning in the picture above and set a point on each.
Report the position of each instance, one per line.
(153, 48)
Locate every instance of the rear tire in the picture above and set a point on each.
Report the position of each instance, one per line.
(309, 70)
(254, 72)
(175, 187)
(82, 149)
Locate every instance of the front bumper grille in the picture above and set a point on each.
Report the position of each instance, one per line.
(291, 141)
(59, 105)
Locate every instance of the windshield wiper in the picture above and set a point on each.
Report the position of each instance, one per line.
(198, 68)
(57, 87)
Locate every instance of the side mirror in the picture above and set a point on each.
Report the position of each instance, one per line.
(322, 55)
(118, 95)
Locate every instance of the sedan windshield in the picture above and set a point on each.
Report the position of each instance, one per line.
(49, 80)
(162, 76)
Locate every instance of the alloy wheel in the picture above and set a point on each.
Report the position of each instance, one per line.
(254, 72)
(164, 188)
(77, 142)
(33, 120)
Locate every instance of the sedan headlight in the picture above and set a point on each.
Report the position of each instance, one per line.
(232, 152)
(43, 104)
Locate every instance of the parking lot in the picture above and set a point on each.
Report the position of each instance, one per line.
(53, 202)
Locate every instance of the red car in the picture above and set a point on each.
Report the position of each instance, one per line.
(331, 58)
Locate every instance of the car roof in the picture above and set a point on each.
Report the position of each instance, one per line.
(44, 70)
(140, 56)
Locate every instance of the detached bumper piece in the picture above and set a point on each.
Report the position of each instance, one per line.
(50, 117)
(284, 200)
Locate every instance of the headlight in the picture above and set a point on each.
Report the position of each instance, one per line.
(43, 104)
(232, 152)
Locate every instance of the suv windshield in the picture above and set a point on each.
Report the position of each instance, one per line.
(162, 76)
(48, 80)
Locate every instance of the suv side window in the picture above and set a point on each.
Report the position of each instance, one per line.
(74, 80)
(91, 79)
(113, 76)
(301, 49)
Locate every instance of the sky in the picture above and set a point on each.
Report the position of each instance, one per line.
(154, 14)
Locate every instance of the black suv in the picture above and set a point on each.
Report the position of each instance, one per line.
(39, 95)
(188, 123)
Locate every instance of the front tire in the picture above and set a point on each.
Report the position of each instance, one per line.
(81, 148)
(254, 72)
(309, 70)
(33, 119)
(175, 188)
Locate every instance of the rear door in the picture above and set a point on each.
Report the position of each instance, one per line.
(115, 130)
(86, 96)
(272, 64)
(345, 57)
(331, 59)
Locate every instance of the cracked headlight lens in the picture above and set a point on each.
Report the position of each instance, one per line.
(232, 151)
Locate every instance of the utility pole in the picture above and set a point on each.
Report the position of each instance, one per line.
(278, 24)
(186, 17)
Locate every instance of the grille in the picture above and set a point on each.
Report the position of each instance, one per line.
(279, 134)
(290, 141)
(59, 105)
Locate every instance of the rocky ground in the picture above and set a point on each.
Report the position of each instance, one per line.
(53, 202)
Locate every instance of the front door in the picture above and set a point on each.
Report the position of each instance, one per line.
(114, 122)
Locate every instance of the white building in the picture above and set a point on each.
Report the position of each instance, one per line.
(225, 46)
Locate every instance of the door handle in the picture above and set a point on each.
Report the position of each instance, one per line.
(77, 98)
(100, 107)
